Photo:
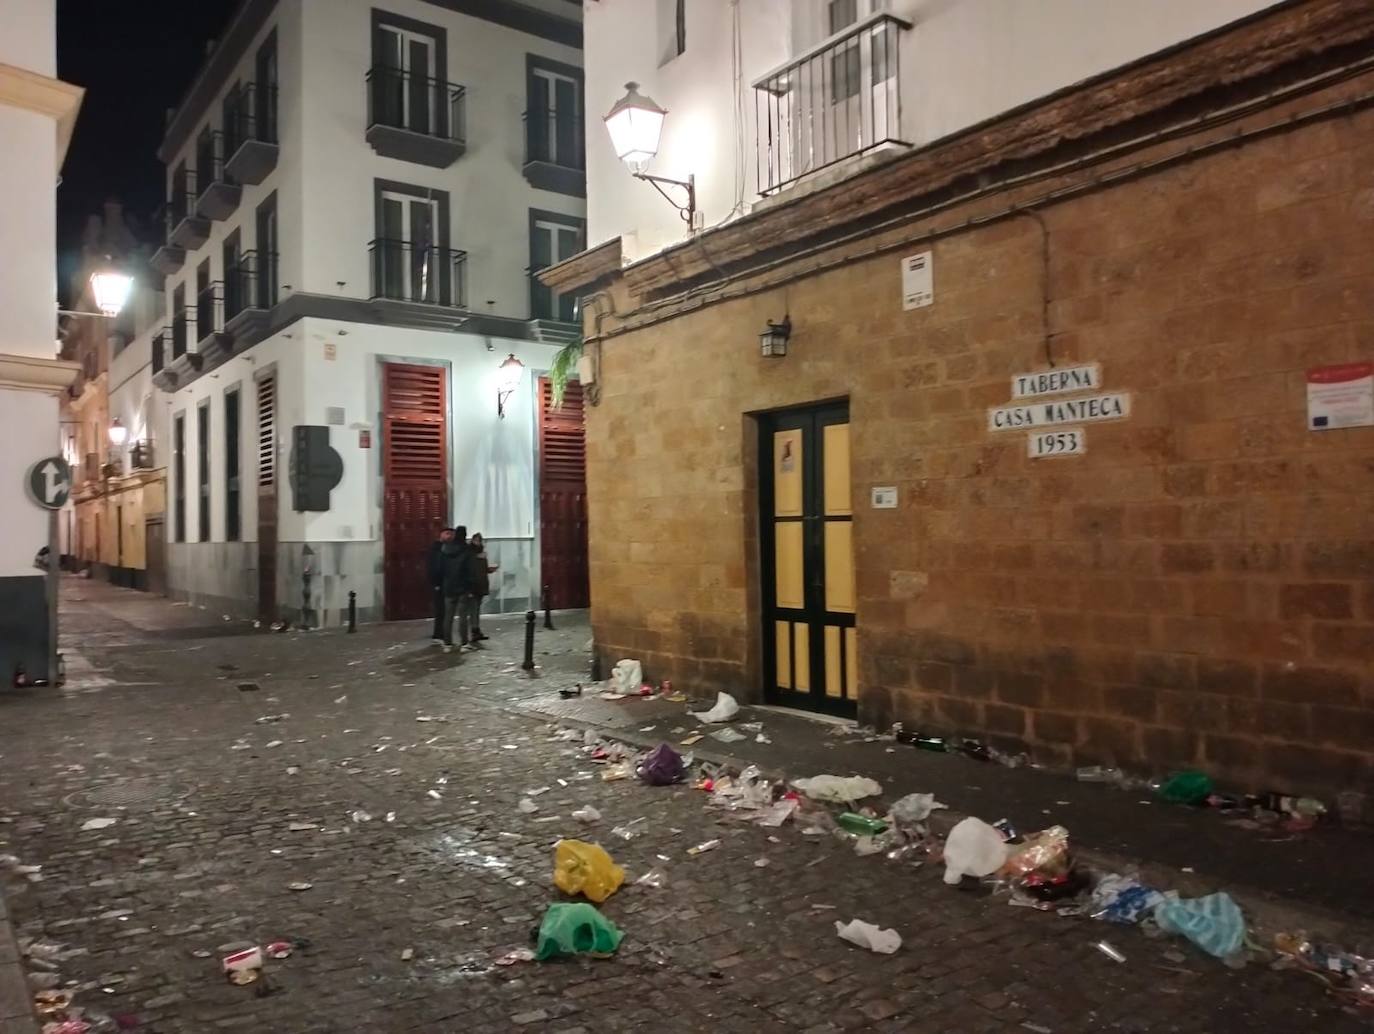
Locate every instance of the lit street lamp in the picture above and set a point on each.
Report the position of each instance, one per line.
(635, 123)
(111, 289)
(119, 434)
(508, 379)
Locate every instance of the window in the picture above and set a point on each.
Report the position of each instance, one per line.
(205, 158)
(553, 238)
(178, 321)
(203, 470)
(555, 113)
(233, 287)
(267, 253)
(179, 478)
(205, 302)
(265, 90)
(842, 14)
(233, 519)
(231, 119)
(408, 68)
(411, 261)
(179, 203)
(672, 29)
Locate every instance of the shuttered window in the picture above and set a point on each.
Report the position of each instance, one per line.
(267, 432)
(563, 448)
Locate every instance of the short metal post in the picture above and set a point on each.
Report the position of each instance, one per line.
(548, 614)
(352, 611)
(529, 641)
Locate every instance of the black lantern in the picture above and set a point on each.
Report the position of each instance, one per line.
(773, 340)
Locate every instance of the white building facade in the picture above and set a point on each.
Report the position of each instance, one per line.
(357, 195)
(767, 98)
(37, 112)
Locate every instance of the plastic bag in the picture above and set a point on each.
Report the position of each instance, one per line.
(576, 928)
(1046, 852)
(838, 789)
(914, 808)
(586, 869)
(1188, 787)
(866, 935)
(725, 709)
(661, 767)
(1123, 899)
(626, 677)
(1214, 923)
(973, 848)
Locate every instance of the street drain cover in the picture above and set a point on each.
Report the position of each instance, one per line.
(127, 793)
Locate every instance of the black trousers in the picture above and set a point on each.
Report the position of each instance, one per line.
(437, 605)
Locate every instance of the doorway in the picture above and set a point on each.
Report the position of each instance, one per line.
(415, 482)
(267, 498)
(807, 549)
(563, 497)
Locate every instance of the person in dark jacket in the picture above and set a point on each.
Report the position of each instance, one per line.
(454, 559)
(481, 576)
(434, 570)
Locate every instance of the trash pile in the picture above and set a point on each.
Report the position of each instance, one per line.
(54, 1003)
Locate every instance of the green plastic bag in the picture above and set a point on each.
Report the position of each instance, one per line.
(576, 928)
(1187, 787)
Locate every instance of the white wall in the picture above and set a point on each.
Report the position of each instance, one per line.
(28, 421)
(489, 197)
(29, 39)
(134, 399)
(963, 61)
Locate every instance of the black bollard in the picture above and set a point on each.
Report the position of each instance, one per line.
(529, 641)
(548, 614)
(352, 611)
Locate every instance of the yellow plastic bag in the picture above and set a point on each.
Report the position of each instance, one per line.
(586, 869)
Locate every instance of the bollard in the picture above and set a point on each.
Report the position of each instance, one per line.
(529, 641)
(548, 614)
(352, 611)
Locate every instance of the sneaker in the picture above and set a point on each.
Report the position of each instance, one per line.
(478, 636)
(448, 648)
(437, 640)
(467, 648)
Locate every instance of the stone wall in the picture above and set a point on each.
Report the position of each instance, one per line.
(1198, 588)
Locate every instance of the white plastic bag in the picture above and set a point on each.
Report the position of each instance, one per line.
(587, 813)
(914, 808)
(626, 677)
(973, 848)
(838, 789)
(725, 709)
(866, 935)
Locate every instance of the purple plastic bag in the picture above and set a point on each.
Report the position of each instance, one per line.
(662, 767)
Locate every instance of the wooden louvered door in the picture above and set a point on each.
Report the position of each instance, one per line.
(415, 475)
(563, 497)
(267, 498)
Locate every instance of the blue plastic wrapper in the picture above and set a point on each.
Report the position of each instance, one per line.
(1214, 923)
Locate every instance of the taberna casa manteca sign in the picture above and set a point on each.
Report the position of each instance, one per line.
(1044, 407)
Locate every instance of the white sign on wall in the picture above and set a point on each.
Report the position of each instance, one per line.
(1057, 443)
(1087, 377)
(918, 281)
(1340, 396)
(1111, 406)
(885, 497)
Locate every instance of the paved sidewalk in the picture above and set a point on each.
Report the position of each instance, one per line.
(404, 918)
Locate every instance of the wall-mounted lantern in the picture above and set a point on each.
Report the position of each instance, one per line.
(635, 123)
(119, 434)
(111, 289)
(508, 379)
(773, 340)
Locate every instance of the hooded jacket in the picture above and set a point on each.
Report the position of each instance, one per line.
(453, 558)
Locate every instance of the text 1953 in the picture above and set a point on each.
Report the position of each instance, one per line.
(1056, 443)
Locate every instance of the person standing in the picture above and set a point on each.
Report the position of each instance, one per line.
(454, 567)
(480, 572)
(434, 570)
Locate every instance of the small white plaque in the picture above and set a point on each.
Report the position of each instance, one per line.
(1057, 443)
(918, 281)
(885, 498)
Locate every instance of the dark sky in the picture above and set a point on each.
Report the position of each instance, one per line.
(135, 60)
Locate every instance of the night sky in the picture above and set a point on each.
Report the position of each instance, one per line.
(135, 61)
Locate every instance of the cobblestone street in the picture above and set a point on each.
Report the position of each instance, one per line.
(221, 808)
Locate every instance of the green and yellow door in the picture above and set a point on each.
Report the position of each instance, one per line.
(807, 523)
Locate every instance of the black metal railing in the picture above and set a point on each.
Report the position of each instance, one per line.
(417, 103)
(211, 151)
(141, 456)
(407, 273)
(555, 137)
(161, 341)
(251, 283)
(182, 203)
(209, 310)
(833, 102)
(545, 304)
(250, 114)
(182, 327)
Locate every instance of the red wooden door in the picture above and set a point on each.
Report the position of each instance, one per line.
(563, 497)
(415, 482)
(267, 498)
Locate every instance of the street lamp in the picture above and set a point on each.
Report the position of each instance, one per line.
(119, 434)
(507, 380)
(111, 289)
(635, 123)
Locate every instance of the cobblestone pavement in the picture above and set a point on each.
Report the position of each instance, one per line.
(220, 811)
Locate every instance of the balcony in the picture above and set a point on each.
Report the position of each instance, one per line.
(212, 343)
(169, 257)
(186, 229)
(141, 455)
(219, 194)
(555, 153)
(417, 280)
(415, 118)
(162, 356)
(182, 332)
(250, 134)
(840, 99)
(250, 291)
